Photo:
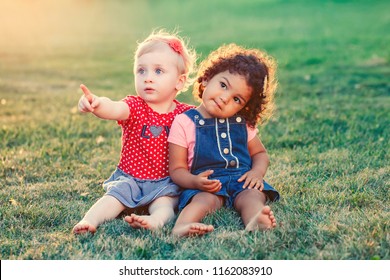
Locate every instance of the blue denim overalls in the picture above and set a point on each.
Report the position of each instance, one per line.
(222, 145)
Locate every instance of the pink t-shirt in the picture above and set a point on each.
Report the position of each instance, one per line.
(183, 134)
(144, 152)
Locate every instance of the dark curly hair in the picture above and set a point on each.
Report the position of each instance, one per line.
(259, 71)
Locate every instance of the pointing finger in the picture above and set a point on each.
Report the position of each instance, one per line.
(87, 93)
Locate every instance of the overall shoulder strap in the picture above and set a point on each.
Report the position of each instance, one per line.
(192, 113)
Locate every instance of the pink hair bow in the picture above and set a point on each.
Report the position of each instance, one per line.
(176, 46)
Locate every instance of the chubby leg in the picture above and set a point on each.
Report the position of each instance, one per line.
(254, 213)
(105, 209)
(189, 221)
(161, 212)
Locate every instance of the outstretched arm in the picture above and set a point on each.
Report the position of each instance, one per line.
(260, 161)
(180, 174)
(102, 107)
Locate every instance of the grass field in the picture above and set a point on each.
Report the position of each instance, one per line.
(328, 140)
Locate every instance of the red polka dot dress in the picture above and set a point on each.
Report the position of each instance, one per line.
(144, 152)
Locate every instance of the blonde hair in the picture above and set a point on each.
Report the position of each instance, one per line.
(187, 56)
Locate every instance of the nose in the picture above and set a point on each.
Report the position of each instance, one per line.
(224, 98)
(148, 78)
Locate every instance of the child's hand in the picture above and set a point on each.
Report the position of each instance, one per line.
(88, 102)
(204, 184)
(252, 180)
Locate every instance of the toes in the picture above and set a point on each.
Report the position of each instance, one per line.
(81, 229)
(266, 210)
(199, 229)
(139, 220)
(77, 230)
(210, 228)
(195, 227)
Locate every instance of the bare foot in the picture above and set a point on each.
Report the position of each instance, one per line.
(84, 227)
(145, 222)
(192, 229)
(263, 220)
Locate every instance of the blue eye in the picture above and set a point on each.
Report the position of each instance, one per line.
(141, 71)
(159, 71)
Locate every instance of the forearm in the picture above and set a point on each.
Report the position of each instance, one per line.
(178, 170)
(111, 110)
(260, 163)
(183, 178)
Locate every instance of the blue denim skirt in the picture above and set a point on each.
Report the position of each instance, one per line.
(133, 192)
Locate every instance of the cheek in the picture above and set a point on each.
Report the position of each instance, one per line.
(137, 83)
(236, 108)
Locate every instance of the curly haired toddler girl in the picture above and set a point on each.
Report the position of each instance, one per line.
(214, 151)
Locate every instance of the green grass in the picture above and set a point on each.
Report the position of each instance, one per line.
(328, 140)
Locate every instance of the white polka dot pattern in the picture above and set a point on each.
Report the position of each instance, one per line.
(144, 152)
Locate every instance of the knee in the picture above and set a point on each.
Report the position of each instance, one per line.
(252, 193)
(249, 195)
(211, 200)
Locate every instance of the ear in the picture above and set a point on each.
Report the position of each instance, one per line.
(180, 82)
(204, 83)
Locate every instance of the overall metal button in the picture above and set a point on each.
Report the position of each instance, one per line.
(226, 151)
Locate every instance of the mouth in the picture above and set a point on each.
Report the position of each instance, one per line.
(149, 90)
(217, 104)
